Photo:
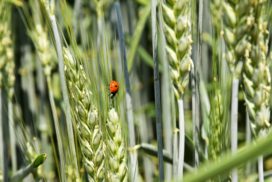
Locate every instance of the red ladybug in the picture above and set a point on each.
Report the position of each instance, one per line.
(114, 86)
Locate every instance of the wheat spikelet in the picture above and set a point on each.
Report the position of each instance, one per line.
(177, 29)
(117, 157)
(256, 77)
(216, 15)
(44, 50)
(7, 65)
(237, 23)
(86, 117)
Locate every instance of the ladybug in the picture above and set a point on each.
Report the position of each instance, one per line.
(114, 86)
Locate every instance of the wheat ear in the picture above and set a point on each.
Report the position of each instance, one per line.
(86, 118)
(117, 154)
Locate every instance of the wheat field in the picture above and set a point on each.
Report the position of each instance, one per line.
(144, 90)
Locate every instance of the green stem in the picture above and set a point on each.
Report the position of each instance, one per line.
(234, 122)
(22, 173)
(248, 140)
(64, 92)
(12, 137)
(260, 169)
(181, 138)
(230, 161)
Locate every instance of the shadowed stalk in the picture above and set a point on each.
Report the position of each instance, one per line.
(195, 85)
(157, 88)
(131, 128)
(57, 129)
(166, 95)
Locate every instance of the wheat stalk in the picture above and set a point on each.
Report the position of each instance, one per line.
(177, 29)
(235, 38)
(86, 118)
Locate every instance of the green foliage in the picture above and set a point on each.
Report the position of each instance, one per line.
(81, 133)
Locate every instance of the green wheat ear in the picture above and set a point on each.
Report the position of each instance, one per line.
(86, 118)
(236, 21)
(116, 151)
(44, 49)
(177, 29)
(256, 77)
(7, 65)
